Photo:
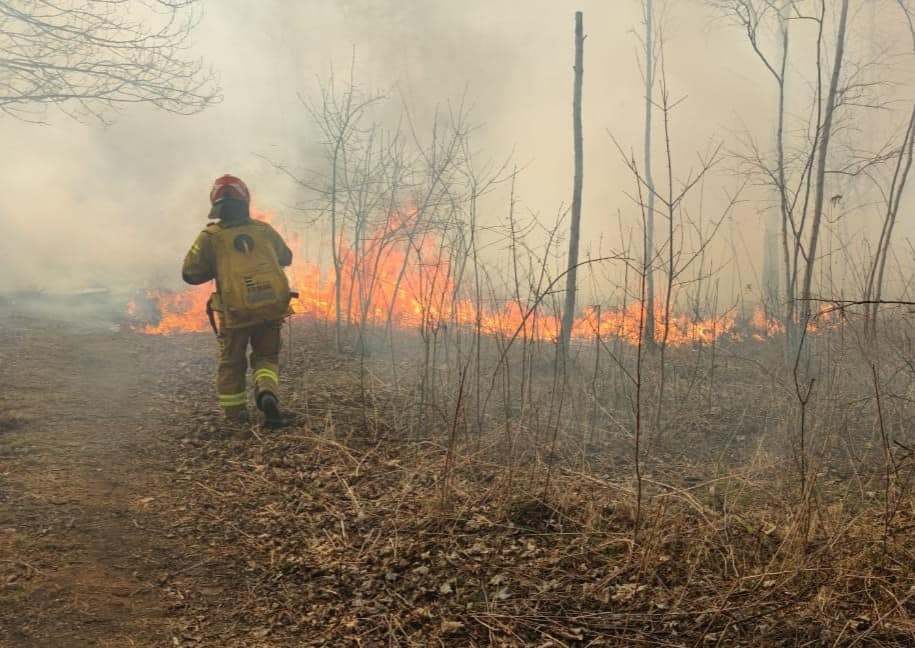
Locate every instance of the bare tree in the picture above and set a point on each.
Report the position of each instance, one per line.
(873, 290)
(339, 116)
(88, 57)
(825, 138)
(751, 16)
(568, 315)
(799, 172)
(648, 251)
(777, 220)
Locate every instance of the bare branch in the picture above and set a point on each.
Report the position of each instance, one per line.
(92, 56)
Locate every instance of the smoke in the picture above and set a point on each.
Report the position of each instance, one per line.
(117, 205)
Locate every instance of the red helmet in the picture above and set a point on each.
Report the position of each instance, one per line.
(228, 186)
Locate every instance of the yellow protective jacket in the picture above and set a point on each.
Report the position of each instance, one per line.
(202, 261)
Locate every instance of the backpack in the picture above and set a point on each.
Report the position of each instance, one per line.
(251, 285)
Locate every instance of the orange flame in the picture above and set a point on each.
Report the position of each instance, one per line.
(180, 312)
(410, 282)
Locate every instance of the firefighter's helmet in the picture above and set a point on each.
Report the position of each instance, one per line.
(227, 187)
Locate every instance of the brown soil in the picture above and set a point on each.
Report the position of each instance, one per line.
(83, 456)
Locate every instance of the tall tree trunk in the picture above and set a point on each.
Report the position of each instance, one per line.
(785, 210)
(568, 315)
(648, 234)
(821, 162)
(776, 227)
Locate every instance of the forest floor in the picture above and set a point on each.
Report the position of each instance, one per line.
(128, 519)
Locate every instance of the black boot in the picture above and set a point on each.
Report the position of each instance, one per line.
(268, 404)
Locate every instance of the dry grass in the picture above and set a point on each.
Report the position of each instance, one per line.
(343, 529)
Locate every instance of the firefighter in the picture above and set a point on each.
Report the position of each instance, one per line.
(246, 257)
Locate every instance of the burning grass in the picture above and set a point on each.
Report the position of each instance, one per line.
(397, 281)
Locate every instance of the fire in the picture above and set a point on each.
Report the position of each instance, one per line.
(180, 312)
(764, 326)
(390, 278)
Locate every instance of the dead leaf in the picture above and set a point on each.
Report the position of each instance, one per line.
(626, 592)
(449, 627)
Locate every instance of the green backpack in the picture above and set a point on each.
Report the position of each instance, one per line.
(252, 287)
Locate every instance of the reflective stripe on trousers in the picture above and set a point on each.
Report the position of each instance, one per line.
(265, 373)
(232, 400)
(264, 340)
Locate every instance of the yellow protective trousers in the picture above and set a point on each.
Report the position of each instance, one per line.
(232, 371)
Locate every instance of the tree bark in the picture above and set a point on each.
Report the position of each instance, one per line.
(568, 315)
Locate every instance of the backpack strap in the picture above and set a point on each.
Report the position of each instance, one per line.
(211, 315)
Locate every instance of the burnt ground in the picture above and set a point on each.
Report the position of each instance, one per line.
(127, 519)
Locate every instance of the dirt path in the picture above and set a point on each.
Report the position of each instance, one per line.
(79, 466)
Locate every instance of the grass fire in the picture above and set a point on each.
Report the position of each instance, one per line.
(400, 291)
(457, 324)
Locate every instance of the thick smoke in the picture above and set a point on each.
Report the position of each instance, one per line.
(87, 204)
